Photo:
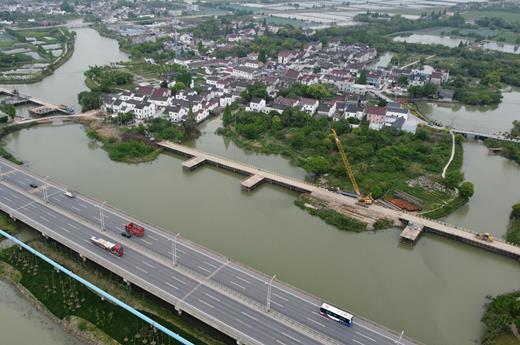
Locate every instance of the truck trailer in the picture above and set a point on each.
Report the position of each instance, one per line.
(113, 248)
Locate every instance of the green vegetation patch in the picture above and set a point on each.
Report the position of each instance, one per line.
(513, 233)
(331, 217)
(383, 161)
(64, 297)
(502, 313)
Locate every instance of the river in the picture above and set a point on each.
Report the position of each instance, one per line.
(434, 291)
(63, 86)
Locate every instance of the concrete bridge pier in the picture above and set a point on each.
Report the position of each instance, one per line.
(179, 310)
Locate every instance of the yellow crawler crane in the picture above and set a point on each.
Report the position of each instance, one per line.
(364, 199)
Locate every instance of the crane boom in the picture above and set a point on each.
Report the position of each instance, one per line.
(346, 163)
(364, 199)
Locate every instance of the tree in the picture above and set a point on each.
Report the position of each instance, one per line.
(190, 124)
(453, 179)
(515, 212)
(125, 118)
(227, 117)
(262, 56)
(403, 80)
(184, 77)
(316, 165)
(276, 122)
(363, 77)
(89, 100)
(65, 6)
(466, 190)
(258, 89)
(10, 110)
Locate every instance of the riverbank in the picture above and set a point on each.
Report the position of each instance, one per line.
(502, 320)
(513, 232)
(81, 312)
(120, 146)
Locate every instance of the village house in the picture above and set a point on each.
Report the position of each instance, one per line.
(376, 117)
(309, 105)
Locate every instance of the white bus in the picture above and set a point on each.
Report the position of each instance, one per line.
(336, 314)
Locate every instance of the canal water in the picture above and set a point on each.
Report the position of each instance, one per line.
(434, 292)
(21, 323)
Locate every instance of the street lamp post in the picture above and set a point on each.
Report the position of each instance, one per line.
(101, 216)
(174, 249)
(400, 337)
(44, 190)
(269, 289)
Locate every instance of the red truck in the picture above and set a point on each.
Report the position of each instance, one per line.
(134, 229)
(113, 248)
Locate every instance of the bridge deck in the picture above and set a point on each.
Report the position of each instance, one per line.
(223, 293)
(412, 232)
(238, 167)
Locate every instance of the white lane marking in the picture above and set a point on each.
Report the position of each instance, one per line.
(213, 297)
(15, 196)
(280, 297)
(278, 304)
(180, 251)
(65, 229)
(316, 322)
(206, 303)
(148, 264)
(76, 209)
(171, 285)
(84, 240)
(354, 340)
(140, 269)
(97, 218)
(44, 219)
(315, 313)
(27, 179)
(249, 316)
(280, 342)
(366, 336)
(147, 242)
(51, 215)
(291, 337)
(82, 205)
(202, 268)
(244, 323)
(242, 279)
(153, 238)
(240, 286)
(210, 264)
(179, 280)
(72, 225)
(7, 199)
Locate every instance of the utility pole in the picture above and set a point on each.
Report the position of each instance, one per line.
(269, 288)
(44, 190)
(101, 216)
(174, 249)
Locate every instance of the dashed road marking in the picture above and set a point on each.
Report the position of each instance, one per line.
(240, 286)
(213, 297)
(242, 279)
(249, 316)
(366, 336)
(73, 226)
(280, 297)
(171, 285)
(244, 323)
(206, 303)
(291, 337)
(204, 269)
(140, 269)
(148, 264)
(65, 229)
(316, 322)
(210, 264)
(147, 242)
(45, 219)
(354, 340)
(179, 280)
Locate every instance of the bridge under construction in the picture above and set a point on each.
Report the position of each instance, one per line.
(417, 224)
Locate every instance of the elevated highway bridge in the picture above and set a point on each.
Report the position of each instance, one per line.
(220, 292)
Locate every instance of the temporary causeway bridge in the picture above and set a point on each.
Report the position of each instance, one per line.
(415, 224)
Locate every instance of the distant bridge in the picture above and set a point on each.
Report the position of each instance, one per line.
(481, 135)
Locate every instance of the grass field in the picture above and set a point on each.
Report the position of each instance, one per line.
(507, 16)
